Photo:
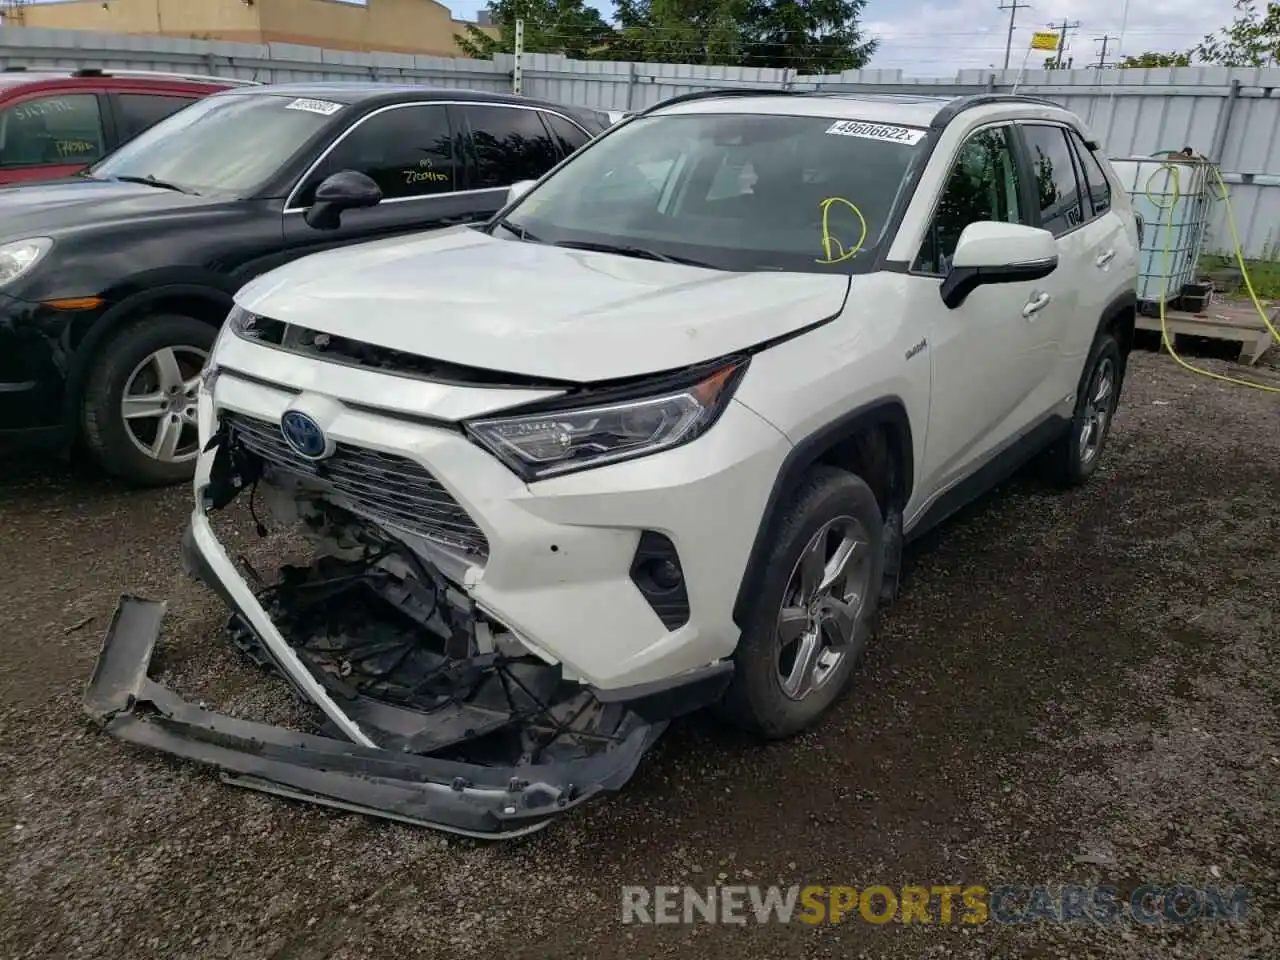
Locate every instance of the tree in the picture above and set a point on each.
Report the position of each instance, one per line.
(1144, 60)
(567, 27)
(808, 36)
(678, 31)
(1252, 39)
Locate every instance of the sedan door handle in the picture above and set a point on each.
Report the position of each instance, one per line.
(1105, 258)
(1036, 304)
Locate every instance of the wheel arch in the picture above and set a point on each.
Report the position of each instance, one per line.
(1120, 318)
(200, 301)
(875, 437)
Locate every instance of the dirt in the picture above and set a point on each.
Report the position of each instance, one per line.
(1076, 688)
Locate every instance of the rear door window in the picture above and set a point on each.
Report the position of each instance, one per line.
(1061, 207)
(136, 112)
(51, 130)
(509, 144)
(1095, 181)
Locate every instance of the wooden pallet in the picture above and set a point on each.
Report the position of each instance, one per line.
(1225, 320)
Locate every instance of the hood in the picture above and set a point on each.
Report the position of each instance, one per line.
(45, 208)
(463, 297)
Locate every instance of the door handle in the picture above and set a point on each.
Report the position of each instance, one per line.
(1105, 258)
(1036, 304)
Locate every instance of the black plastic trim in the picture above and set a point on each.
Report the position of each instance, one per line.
(1000, 467)
(670, 604)
(667, 699)
(960, 104)
(889, 411)
(962, 281)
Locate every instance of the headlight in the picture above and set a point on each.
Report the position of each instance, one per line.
(20, 256)
(539, 445)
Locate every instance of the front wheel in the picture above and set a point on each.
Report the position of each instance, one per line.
(811, 621)
(139, 409)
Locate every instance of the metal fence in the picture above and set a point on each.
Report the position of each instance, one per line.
(1230, 115)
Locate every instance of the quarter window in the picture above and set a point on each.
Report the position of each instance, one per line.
(510, 145)
(47, 131)
(1055, 178)
(1095, 181)
(407, 151)
(569, 136)
(983, 185)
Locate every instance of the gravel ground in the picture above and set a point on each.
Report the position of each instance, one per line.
(1075, 689)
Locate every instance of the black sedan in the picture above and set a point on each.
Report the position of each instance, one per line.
(113, 284)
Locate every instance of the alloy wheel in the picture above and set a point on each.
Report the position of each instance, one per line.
(159, 404)
(822, 606)
(1097, 410)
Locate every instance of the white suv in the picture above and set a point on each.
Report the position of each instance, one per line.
(650, 440)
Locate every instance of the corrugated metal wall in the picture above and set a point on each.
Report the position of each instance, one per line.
(1231, 113)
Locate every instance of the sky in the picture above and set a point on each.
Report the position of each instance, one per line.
(935, 39)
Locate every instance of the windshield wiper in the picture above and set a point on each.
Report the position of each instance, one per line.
(625, 250)
(519, 231)
(151, 181)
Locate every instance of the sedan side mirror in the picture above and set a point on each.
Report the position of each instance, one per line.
(992, 252)
(519, 189)
(344, 190)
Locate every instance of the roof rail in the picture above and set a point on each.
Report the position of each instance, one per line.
(165, 74)
(15, 68)
(726, 92)
(960, 104)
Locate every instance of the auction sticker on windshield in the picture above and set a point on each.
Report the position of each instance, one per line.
(876, 131)
(325, 108)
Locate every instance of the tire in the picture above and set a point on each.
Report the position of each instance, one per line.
(757, 699)
(129, 361)
(1071, 460)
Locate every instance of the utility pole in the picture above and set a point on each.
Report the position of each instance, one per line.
(1013, 6)
(1102, 57)
(1062, 37)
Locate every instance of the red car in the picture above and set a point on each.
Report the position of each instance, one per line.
(55, 123)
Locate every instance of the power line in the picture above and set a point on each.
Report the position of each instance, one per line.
(1013, 7)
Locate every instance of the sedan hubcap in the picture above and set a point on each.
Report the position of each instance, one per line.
(159, 404)
(822, 606)
(1097, 410)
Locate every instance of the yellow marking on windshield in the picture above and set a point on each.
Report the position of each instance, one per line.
(828, 241)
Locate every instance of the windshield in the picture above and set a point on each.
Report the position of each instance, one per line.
(735, 192)
(228, 144)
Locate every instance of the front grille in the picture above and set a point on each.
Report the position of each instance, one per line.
(381, 486)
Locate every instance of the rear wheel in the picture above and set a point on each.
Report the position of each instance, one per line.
(139, 409)
(810, 624)
(1076, 455)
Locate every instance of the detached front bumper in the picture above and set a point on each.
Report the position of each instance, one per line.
(463, 798)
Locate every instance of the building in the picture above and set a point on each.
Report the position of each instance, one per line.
(395, 26)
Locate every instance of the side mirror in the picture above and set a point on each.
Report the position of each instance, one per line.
(993, 252)
(344, 190)
(519, 189)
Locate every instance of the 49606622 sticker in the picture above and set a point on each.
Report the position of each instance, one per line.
(876, 131)
(326, 108)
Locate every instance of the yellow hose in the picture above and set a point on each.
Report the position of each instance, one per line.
(1175, 175)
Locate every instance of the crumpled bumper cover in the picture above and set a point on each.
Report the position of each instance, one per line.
(463, 798)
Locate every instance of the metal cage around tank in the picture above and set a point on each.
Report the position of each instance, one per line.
(1171, 193)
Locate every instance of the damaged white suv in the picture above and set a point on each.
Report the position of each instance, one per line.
(651, 440)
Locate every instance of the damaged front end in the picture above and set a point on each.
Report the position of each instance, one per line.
(433, 712)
